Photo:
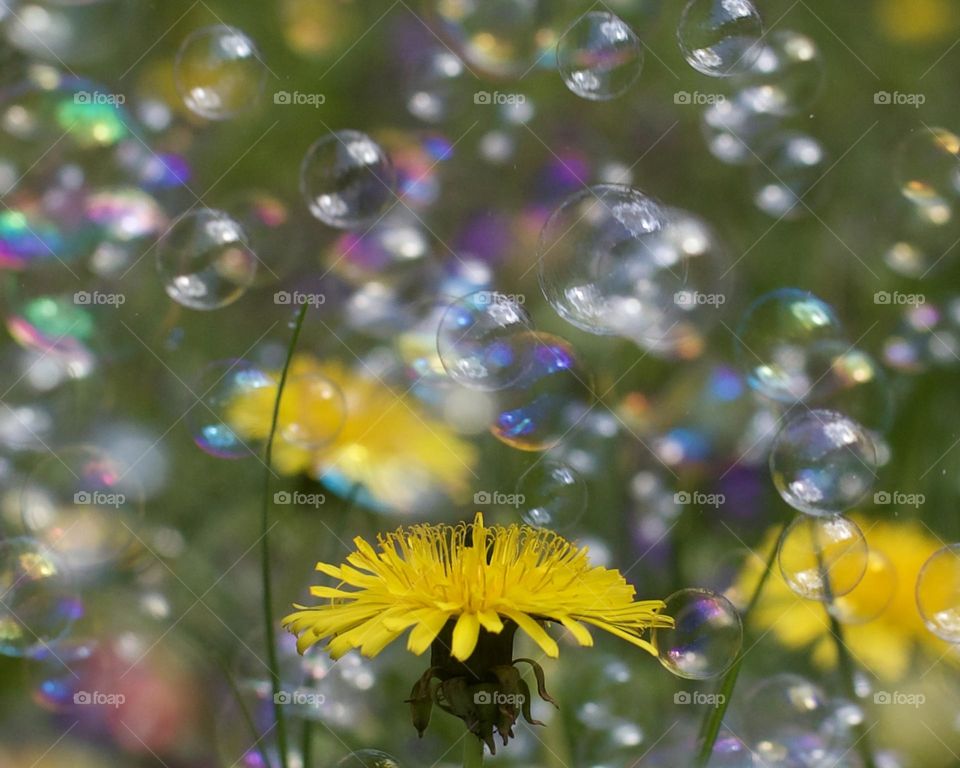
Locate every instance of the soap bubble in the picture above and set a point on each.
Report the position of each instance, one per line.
(477, 340)
(720, 37)
(775, 339)
(822, 558)
(313, 410)
(553, 495)
(214, 421)
(79, 504)
(928, 166)
(599, 57)
(219, 72)
(786, 77)
(938, 593)
(270, 231)
(871, 597)
(924, 232)
(533, 413)
(706, 636)
(433, 86)
(735, 133)
(369, 758)
(205, 261)
(823, 462)
(789, 168)
(38, 599)
(927, 335)
(346, 179)
(851, 381)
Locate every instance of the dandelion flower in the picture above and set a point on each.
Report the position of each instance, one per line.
(463, 591)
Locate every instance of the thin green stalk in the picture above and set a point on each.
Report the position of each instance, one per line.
(245, 712)
(265, 577)
(710, 728)
(472, 752)
(846, 666)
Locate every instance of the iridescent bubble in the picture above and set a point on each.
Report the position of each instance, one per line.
(849, 380)
(219, 72)
(205, 261)
(78, 503)
(775, 338)
(504, 38)
(823, 463)
(871, 597)
(822, 558)
(369, 758)
(552, 495)
(720, 38)
(434, 85)
(928, 166)
(706, 637)
(938, 593)
(735, 133)
(534, 413)
(786, 76)
(598, 263)
(599, 57)
(924, 232)
(477, 340)
(313, 410)
(923, 338)
(214, 422)
(789, 168)
(346, 179)
(272, 234)
(38, 598)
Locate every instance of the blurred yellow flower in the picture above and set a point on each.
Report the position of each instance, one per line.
(377, 438)
(917, 21)
(882, 626)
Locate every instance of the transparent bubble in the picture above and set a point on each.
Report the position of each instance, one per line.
(369, 758)
(775, 339)
(706, 638)
(39, 600)
(923, 233)
(822, 558)
(938, 593)
(534, 413)
(313, 410)
(434, 86)
(553, 495)
(268, 225)
(205, 261)
(217, 424)
(928, 166)
(736, 133)
(599, 57)
(823, 462)
(79, 504)
(871, 597)
(720, 38)
(846, 379)
(927, 336)
(346, 179)
(219, 72)
(789, 169)
(787, 75)
(787, 723)
(504, 38)
(601, 266)
(477, 340)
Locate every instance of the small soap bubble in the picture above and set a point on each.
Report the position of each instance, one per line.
(720, 38)
(219, 72)
(787, 75)
(433, 86)
(735, 133)
(790, 167)
(706, 636)
(553, 495)
(928, 166)
(599, 57)
(938, 593)
(822, 558)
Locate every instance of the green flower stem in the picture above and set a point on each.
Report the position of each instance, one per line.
(847, 669)
(472, 752)
(710, 728)
(269, 632)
